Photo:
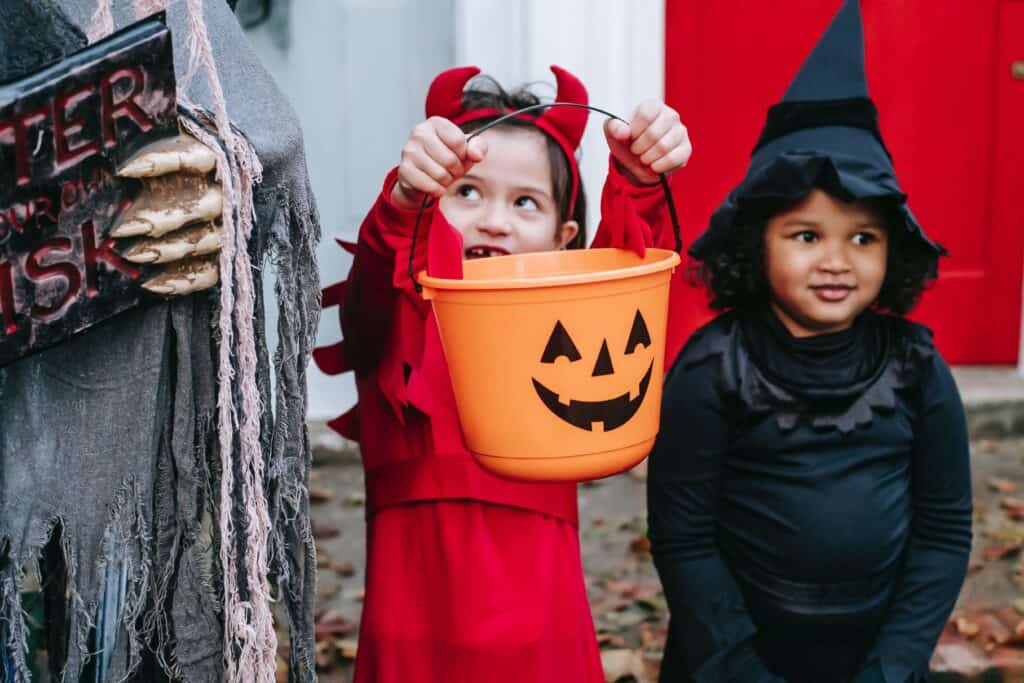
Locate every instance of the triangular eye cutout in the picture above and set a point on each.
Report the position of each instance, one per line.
(638, 334)
(560, 344)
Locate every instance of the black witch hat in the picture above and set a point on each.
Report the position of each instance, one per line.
(824, 133)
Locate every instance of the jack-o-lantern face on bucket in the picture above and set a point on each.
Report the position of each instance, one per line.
(615, 411)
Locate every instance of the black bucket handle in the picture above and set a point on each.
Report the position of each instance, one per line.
(662, 178)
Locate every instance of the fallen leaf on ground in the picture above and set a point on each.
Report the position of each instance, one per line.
(988, 446)
(332, 624)
(641, 547)
(1003, 486)
(607, 639)
(324, 532)
(991, 631)
(342, 568)
(1014, 508)
(621, 664)
(320, 495)
(966, 627)
(653, 636)
(995, 551)
(347, 648)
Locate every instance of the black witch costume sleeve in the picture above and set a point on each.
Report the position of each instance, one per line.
(148, 455)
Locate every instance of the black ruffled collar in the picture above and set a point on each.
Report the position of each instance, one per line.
(831, 381)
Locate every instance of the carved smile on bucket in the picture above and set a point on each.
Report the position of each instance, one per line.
(611, 413)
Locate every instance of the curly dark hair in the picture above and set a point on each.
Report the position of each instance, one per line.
(734, 272)
(484, 92)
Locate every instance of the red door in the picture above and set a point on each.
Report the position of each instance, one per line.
(951, 113)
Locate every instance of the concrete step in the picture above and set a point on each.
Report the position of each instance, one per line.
(993, 398)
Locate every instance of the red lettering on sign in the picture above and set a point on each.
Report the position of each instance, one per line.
(64, 270)
(7, 297)
(111, 110)
(105, 253)
(42, 206)
(19, 127)
(64, 127)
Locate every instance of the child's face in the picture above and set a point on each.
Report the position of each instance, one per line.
(825, 261)
(505, 204)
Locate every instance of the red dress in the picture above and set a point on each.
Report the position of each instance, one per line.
(469, 577)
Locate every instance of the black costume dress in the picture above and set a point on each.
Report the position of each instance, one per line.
(809, 502)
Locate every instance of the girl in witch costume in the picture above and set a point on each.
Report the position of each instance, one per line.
(809, 491)
(471, 577)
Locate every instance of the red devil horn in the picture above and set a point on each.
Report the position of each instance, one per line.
(569, 121)
(444, 98)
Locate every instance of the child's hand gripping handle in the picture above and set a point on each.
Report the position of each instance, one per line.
(662, 177)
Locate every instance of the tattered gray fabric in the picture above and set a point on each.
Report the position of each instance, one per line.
(115, 437)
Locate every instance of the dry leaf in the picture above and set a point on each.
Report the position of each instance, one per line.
(966, 627)
(320, 495)
(323, 532)
(1003, 486)
(991, 631)
(641, 547)
(996, 551)
(1014, 508)
(332, 624)
(347, 648)
(621, 664)
(988, 446)
(343, 568)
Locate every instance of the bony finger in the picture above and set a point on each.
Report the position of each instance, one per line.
(153, 218)
(182, 153)
(198, 240)
(185, 277)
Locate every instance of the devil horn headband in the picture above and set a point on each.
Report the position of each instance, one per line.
(565, 125)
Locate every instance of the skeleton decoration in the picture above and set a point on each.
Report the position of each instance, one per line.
(177, 219)
(146, 471)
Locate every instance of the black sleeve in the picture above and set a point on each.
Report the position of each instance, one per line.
(940, 539)
(710, 630)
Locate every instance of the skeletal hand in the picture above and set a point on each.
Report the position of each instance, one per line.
(175, 221)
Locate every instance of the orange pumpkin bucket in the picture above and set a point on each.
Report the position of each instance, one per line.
(556, 358)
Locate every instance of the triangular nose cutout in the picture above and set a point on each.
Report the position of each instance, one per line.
(604, 362)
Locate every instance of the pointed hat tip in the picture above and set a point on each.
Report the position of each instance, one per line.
(835, 68)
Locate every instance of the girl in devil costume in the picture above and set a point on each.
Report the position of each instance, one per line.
(809, 491)
(471, 577)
